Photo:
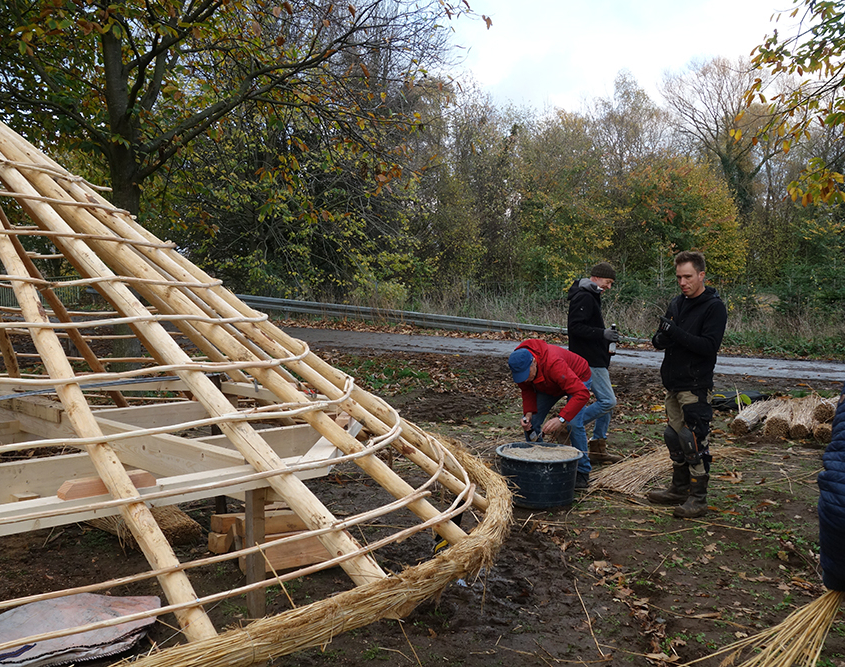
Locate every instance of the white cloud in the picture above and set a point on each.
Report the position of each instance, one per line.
(564, 52)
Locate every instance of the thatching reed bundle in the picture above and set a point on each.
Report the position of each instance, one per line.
(177, 527)
(778, 420)
(823, 432)
(797, 640)
(319, 622)
(825, 410)
(803, 419)
(752, 416)
(633, 475)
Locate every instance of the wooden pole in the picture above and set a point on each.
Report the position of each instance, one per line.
(256, 602)
(127, 259)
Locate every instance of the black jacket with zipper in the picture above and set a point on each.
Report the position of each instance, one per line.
(691, 348)
(585, 324)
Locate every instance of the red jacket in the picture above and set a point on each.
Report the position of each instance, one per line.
(559, 373)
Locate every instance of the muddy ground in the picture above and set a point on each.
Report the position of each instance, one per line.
(608, 580)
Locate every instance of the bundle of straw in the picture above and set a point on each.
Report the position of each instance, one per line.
(803, 420)
(777, 421)
(798, 640)
(825, 410)
(177, 527)
(751, 416)
(823, 432)
(632, 476)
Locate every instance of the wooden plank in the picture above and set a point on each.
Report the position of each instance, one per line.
(286, 441)
(94, 486)
(41, 476)
(275, 521)
(10, 385)
(36, 406)
(153, 416)
(290, 555)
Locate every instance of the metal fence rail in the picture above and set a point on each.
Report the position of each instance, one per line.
(72, 295)
(69, 295)
(427, 320)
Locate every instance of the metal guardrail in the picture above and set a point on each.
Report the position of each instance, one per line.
(69, 294)
(427, 320)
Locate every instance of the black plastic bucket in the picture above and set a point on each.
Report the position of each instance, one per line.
(544, 481)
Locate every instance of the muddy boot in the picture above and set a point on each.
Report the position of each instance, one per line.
(598, 452)
(582, 481)
(696, 502)
(678, 490)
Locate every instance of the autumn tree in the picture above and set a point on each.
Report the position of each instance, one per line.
(137, 82)
(628, 127)
(676, 203)
(813, 55)
(564, 212)
(707, 101)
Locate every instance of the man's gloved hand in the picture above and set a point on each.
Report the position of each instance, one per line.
(611, 335)
(666, 325)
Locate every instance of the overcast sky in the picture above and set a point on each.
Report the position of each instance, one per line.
(562, 52)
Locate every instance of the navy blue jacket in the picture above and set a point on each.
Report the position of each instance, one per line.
(585, 325)
(832, 505)
(692, 347)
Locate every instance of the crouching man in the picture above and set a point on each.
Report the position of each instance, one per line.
(546, 373)
(690, 334)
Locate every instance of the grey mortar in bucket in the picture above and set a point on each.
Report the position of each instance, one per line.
(543, 475)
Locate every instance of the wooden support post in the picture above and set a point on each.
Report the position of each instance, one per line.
(9, 357)
(219, 501)
(256, 602)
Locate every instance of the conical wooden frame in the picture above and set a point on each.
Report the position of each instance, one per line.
(243, 371)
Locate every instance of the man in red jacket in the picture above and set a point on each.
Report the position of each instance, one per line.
(545, 374)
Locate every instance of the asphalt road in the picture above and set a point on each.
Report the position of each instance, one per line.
(742, 366)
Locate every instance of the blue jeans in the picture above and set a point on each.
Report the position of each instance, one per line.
(578, 436)
(601, 410)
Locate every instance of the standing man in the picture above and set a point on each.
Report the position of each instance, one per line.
(690, 333)
(589, 338)
(545, 374)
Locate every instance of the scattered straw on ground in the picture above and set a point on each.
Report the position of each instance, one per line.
(632, 476)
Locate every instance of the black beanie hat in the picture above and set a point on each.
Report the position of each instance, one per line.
(603, 270)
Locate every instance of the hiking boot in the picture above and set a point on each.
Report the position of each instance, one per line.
(678, 490)
(696, 502)
(582, 480)
(598, 452)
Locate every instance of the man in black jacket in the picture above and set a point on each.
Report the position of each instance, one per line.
(590, 339)
(690, 334)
